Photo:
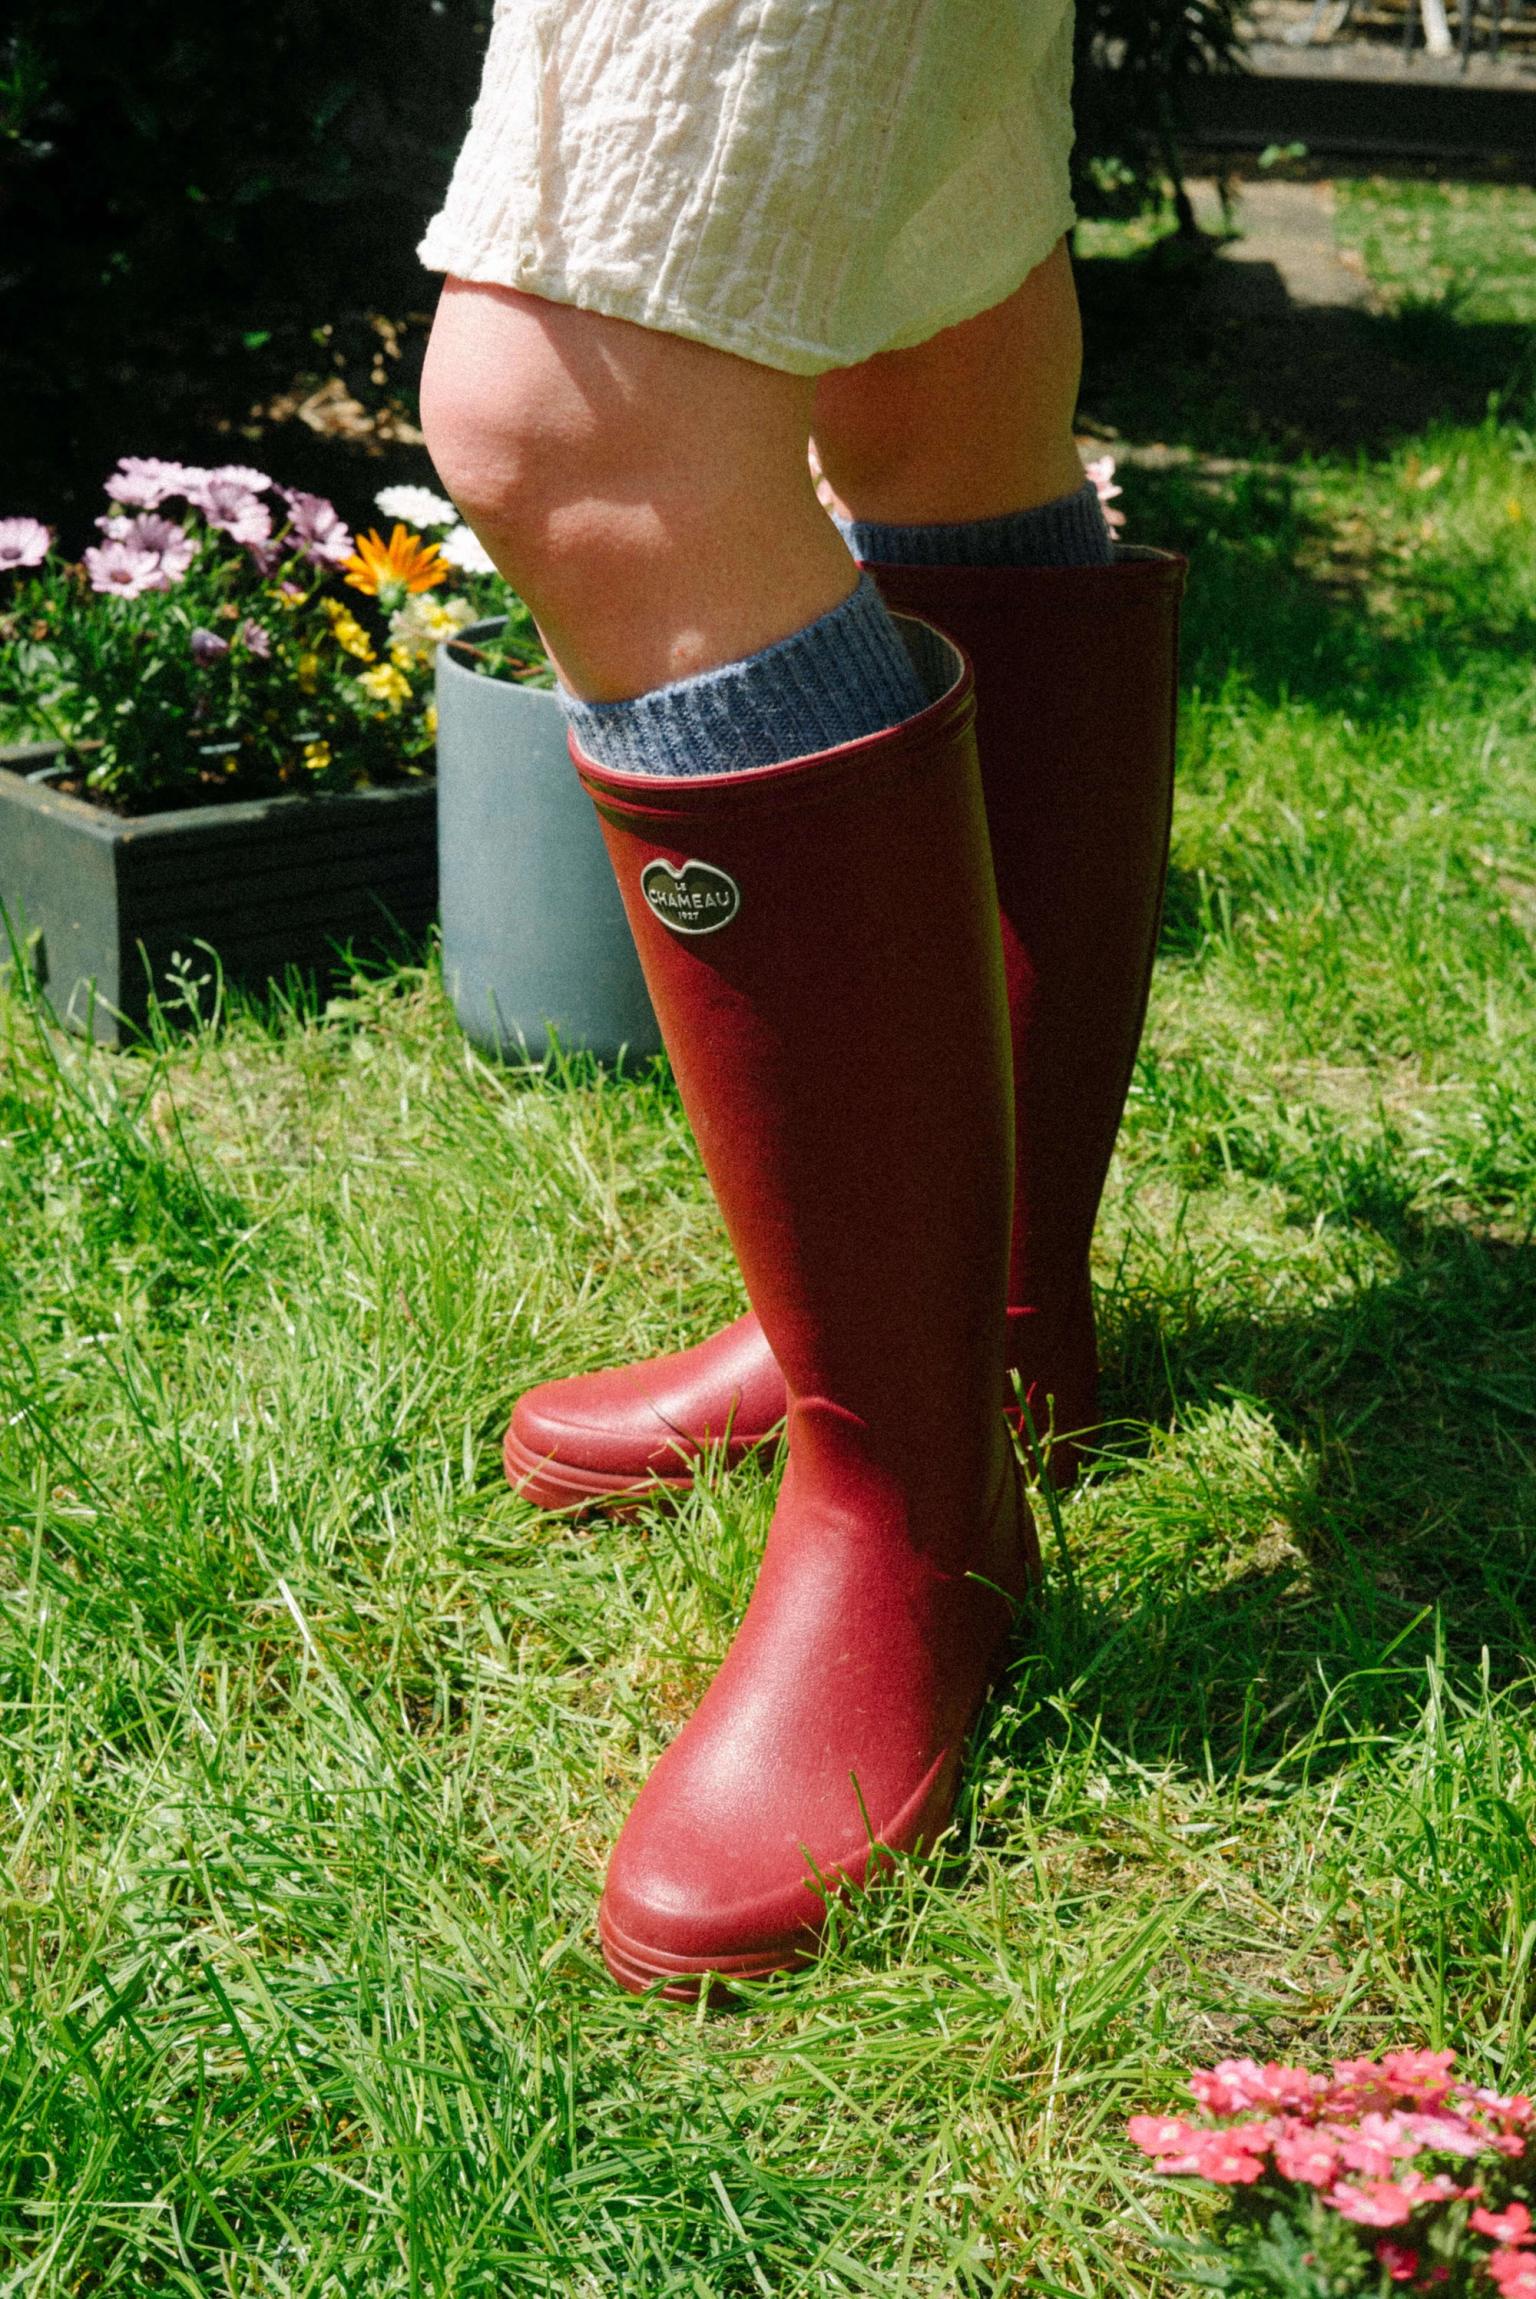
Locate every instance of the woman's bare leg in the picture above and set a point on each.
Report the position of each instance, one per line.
(975, 422)
(647, 495)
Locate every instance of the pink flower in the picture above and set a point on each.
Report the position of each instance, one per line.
(1512, 2225)
(1423, 2077)
(257, 640)
(1102, 472)
(144, 481)
(1304, 2154)
(23, 543)
(1229, 2158)
(1448, 2134)
(1400, 2263)
(1161, 2134)
(1514, 2110)
(1229, 2087)
(126, 572)
(1438, 2188)
(1379, 2203)
(1515, 2273)
(1375, 2143)
(1357, 2085)
(317, 527)
(207, 646)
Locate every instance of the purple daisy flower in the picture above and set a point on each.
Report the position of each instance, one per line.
(142, 482)
(170, 542)
(242, 475)
(23, 543)
(207, 646)
(257, 639)
(233, 508)
(125, 571)
(317, 527)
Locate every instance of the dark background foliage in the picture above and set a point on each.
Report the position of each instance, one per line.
(173, 155)
(201, 204)
(1135, 61)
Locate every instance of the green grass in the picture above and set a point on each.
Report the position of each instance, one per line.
(312, 1738)
(1463, 244)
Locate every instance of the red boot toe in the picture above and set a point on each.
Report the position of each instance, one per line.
(636, 1429)
(835, 1729)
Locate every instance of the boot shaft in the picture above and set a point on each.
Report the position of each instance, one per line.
(821, 944)
(1076, 675)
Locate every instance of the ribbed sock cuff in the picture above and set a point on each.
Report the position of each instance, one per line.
(1070, 532)
(844, 676)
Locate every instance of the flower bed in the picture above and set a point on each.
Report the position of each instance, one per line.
(229, 638)
(235, 705)
(1386, 2172)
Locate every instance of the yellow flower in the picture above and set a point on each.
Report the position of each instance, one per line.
(307, 669)
(386, 684)
(403, 658)
(348, 632)
(317, 756)
(390, 570)
(429, 720)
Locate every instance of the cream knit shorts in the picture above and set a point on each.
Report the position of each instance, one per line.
(803, 182)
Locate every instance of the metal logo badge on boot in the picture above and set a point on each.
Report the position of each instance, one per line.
(697, 899)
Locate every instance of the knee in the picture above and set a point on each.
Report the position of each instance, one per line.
(871, 439)
(500, 419)
(985, 405)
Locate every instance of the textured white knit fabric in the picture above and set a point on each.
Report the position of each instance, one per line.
(805, 182)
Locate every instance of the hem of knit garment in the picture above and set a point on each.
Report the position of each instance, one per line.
(1069, 531)
(839, 679)
(504, 265)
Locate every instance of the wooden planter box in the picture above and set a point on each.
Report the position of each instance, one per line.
(100, 906)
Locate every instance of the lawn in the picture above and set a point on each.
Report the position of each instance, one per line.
(313, 1737)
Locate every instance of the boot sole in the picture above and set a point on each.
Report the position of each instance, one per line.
(550, 1484)
(557, 1485)
(637, 1968)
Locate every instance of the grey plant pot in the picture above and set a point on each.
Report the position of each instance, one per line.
(103, 907)
(535, 941)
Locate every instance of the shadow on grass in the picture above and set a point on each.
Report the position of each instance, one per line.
(1279, 600)
(1395, 1517)
(1216, 355)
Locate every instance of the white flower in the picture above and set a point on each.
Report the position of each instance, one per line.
(419, 627)
(462, 548)
(417, 506)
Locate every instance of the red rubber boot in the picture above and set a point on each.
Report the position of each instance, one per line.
(1075, 672)
(820, 941)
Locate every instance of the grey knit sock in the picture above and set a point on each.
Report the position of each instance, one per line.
(844, 676)
(1070, 532)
